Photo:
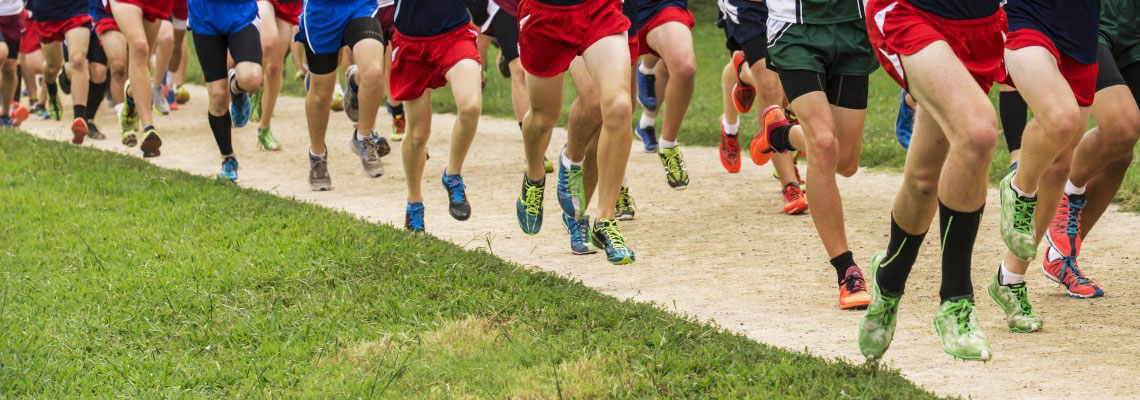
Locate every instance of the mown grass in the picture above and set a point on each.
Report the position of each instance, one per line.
(120, 279)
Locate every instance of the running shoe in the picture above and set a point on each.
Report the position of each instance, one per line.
(338, 99)
(41, 111)
(547, 165)
(528, 208)
(504, 66)
(266, 141)
(129, 139)
(55, 108)
(674, 163)
(625, 209)
(877, 327)
(398, 123)
(93, 131)
(64, 81)
(904, 121)
(1017, 221)
(1014, 301)
(351, 102)
(956, 324)
(181, 95)
(414, 217)
(18, 113)
(761, 148)
(240, 106)
(579, 234)
(646, 89)
(78, 130)
(158, 98)
(151, 143)
(729, 151)
(319, 179)
(369, 152)
(170, 98)
(6, 121)
(853, 290)
(1064, 238)
(255, 100)
(229, 169)
(1065, 272)
(647, 136)
(607, 236)
(795, 202)
(128, 115)
(457, 205)
(743, 95)
(571, 189)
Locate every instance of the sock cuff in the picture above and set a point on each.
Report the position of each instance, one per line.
(1072, 189)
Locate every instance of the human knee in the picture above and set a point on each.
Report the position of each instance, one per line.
(139, 46)
(249, 78)
(617, 108)
(1120, 131)
(980, 137)
(98, 72)
(686, 69)
(848, 166)
(1062, 121)
(218, 100)
(922, 183)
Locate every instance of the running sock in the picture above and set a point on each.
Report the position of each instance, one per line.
(322, 155)
(959, 230)
(730, 129)
(567, 162)
(1021, 193)
(119, 108)
(902, 250)
(221, 126)
(668, 144)
(780, 139)
(80, 111)
(646, 120)
(1013, 117)
(399, 110)
(358, 137)
(1006, 278)
(53, 90)
(841, 263)
(95, 93)
(1071, 189)
(541, 182)
(644, 70)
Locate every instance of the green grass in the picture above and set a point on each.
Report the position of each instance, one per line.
(120, 279)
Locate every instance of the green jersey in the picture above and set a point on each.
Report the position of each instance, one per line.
(1120, 30)
(816, 12)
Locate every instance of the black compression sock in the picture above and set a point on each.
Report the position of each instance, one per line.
(1013, 118)
(841, 263)
(902, 250)
(80, 111)
(220, 126)
(53, 90)
(959, 230)
(780, 139)
(397, 110)
(95, 92)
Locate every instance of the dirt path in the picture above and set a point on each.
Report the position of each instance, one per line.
(720, 251)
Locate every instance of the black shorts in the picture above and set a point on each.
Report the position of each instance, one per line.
(356, 30)
(1109, 74)
(13, 47)
(95, 53)
(244, 45)
(478, 10)
(505, 28)
(847, 91)
(746, 31)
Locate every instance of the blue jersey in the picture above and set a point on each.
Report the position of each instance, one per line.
(56, 10)
(649, 9)
(1072, 25)
(323, 21)
(98, 10)
(221, 17)
(424, 18)
(959, 9)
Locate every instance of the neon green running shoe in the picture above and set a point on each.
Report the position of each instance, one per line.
(625, 209)
(266, 141)
(128, 115)
(1014, 300)
(957, 325)
(675, 172)
(1017, 222)
(255, 115)
(606, 236)
(877, 328)
(547, 165)
(55, 108)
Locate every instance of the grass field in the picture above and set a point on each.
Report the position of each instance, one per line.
(121, 279)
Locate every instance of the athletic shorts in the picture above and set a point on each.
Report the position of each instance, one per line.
(634, 47)
(287, 10)
(323, 26)
(832, 49)
(387, 21)
(95, 52)
(53, 31)
(746, 31)
(12, 32)
(30, 43)
(1119, 32)
(179, 13)
(223, 18)
(896, 28)
(421, 63)
(1081, 77)
(504, 27)
(244, 45)
(551, 36)
(153, 10)
(106, 24)
(667, 15)
(1109, 75)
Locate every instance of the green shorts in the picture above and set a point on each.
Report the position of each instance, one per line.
(1119, 30)
(834, 49)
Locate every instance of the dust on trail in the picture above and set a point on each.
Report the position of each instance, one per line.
(720, 251)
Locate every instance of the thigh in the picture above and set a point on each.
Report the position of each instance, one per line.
(945, 88)
(673, 41)
(465, 79)
(245, 45)
(606, 60)
(1038, 77)
(212, 50)
(269, 30)
(545, 95)
(361, 29)
(77, 41)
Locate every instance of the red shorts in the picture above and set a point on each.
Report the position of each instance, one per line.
(178, 10)
(30, 43)
(634, 46)
(387, 22)
(1081, 77)
(152, 9)
(53, 31)
(421, 63)
(105, 24)
(551, 36)
(668, 14)
(896, 28)
(287, 11)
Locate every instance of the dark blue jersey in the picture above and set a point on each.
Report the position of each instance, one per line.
(739, 12)
(647, 9)
(629, 8)
(98, 10)
(57, 10)
(430, 17)
(1072, 25)
(959, 9)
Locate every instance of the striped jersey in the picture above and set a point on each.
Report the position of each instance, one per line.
(816, 12)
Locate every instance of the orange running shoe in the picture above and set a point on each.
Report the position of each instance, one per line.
(18, 113)
(760, 147)
(853, 293)
(1064, 238)
(78, 131)
(729, 151)
(743, 95)
(794, 200)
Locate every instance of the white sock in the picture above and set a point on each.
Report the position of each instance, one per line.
(668, 144)
(646, 120)
(1019, 191)
(322, 155)
(338, 89)
(1070, 188)
(361, 138)
(644, 70)
(119, 108)
(730, 129)
(1009, 278)
(567, 162)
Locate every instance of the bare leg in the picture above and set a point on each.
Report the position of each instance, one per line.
(611, 71)
(139, 35)
(674, 41)
(466, 87)
(369, 55)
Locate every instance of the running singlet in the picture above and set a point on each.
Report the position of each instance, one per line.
(425, 18)
(1072, 25)
(816, 12)
(57, 10)
(98, 9)
(650, 8)
(629, 8)
(959, 9)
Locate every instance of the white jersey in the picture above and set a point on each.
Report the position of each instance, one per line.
(11, 7)
(815, 11)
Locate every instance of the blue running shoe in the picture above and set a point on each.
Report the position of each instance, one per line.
(607, 236)
(229, 169)
(648, 137)
(240, 106)
(904, 122)
(414, 218)
(458, 206)
(579, 234)
(529, 206)
(7, 121)
(571, 190)
(170, 97)
(646, 89)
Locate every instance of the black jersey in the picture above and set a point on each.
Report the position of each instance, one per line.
(424, 18)
(959, 9)
(1072, 25)
(57, 10)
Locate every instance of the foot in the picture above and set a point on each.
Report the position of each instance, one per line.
(457, 205)
(414, 217)
(19, 114)
(579, 234)
(240, 106)
(743, 95)
(1060, 261)
(130, 139)
(41, 111)
(646, 89)
(877, 327)
(957, 326)
(1017, 221)
(1014, 301)
(904, 121)
(647, 136)
(794, 200)
(607, 236)
(158, 99)
(761, 147)
(128, 115)
(7, 122)
(369, 152)
(170, 98)
(351, 103)
(255, 100)
(55, 109)
(78, 130)
(571, 190)
(625, 208)
(853, 290)
(398, 126)
(528, 208)
(547, 165)
(64, 81)
(229, 169)
(93, 131)
(674, 163)
(337, 101)
(151, 143)
(182, 96)
(319, 179)
(266, 141)
(729, 151)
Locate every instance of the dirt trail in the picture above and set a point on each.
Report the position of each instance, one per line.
(720, 251)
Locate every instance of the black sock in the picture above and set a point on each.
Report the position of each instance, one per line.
(540, 182)
(221, 126)
(19, 85)
(902, 250)
(236, 87)
(398, 110)
(79, 110)
(1013, 117)
(95, 92)
(781, 140)
(959, 229)
(53, 90)
(841, 263)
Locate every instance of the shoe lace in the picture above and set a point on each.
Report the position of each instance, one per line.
(416, 217)
(1023, 214)
(792, 192)
(370, 151)
(963, 311)
(1022, 296)
(230, 165)
(854, 282)
(1069, 268)
(532, 199)
(575, 181)
(673, 162)
(613, 236)
(625, 201)
(1073, 214)
(456, 189)
(321, 167)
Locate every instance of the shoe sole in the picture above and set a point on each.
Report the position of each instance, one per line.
(625, 217)
(150, 146)
(130, 140)
(320, 186)
(984, 357)
(78, 132)
(624, 261)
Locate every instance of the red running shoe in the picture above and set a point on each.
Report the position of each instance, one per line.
(743, 95)
(78, 131)
(794, 200)
(853, 293)
(761, 148)
(729, 151)
(1064, 238)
